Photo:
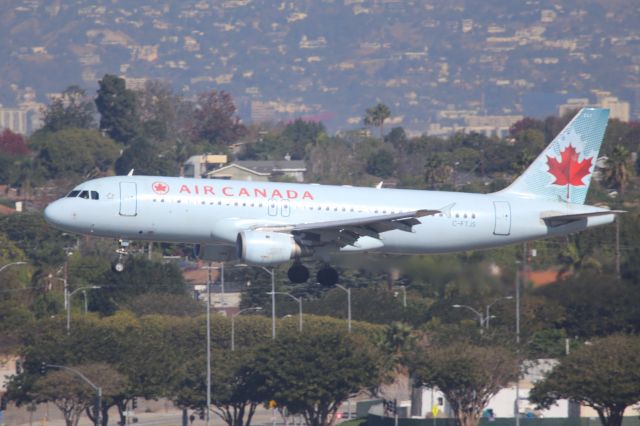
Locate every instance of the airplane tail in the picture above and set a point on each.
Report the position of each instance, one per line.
(562, 172)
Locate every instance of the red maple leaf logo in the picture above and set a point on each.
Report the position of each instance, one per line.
(569, 171)
(160, 188)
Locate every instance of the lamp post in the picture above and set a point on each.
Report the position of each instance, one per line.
(11, 264)
(92, 287)
(404, 295)
(488, 309)
(475, 311)
(297, 299)
(208, 416)
(98, 389)
(233, 324)
(271, 272)
(517, 284)
(348, 291)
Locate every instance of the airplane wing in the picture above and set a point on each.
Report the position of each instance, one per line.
(557, 219)
(348, 231)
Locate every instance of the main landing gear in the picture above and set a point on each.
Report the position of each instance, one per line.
(122, 251)
(327, 276)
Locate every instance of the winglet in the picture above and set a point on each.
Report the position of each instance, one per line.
(379, 185)
(130, 172)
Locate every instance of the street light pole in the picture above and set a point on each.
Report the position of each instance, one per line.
(93, 287)
(11, 264)
(488, 309)
(517, 405)
(208, 416)
(348, 291)
(297, 299)
(271, 272)
(481, 319)
(233, 324)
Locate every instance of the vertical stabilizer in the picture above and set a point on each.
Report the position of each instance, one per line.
(563, 171)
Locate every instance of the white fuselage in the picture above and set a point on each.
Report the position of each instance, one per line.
(212, 211)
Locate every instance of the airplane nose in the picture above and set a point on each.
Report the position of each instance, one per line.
(54, 213)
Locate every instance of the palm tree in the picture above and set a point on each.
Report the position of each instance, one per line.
(375, 116)
(618, 168)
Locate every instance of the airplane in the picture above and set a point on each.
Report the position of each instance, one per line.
(268, 223)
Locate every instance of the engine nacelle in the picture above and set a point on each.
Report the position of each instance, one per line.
(266, 248)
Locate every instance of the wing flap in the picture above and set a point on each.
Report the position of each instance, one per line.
(347, 232)
(406, 218)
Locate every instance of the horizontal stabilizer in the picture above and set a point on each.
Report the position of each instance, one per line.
(555, 219)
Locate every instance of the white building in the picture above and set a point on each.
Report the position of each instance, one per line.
(14, 119)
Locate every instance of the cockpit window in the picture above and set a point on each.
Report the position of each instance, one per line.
(73, 194)
(95, 195)
(84, 194)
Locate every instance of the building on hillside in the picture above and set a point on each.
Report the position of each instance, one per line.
(14, 119)
(487, 125)
(197, 166)
(618, 109)
(261, 171)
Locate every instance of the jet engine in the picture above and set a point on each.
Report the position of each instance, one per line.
(267, 248)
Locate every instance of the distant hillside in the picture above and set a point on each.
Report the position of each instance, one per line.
(331, 59)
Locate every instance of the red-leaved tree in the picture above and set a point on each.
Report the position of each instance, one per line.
(13, 143)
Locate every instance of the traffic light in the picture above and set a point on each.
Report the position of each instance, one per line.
(134, 403)
(43, 368)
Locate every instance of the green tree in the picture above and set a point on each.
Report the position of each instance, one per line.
(586, 313)
(467, 374)
(617, 173)
(73, 109)
(331, 161)
(602, 375)
(314, 372)
(381, 163)
(214, 120)
(398, 138)
(68, 393)
(145, 159)
(31, 234)
(74, 153)
(118, 108)
(376, 116)
(140, 276)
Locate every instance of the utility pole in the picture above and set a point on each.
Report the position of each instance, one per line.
(618, 246)
(208, 416)
(517, 402)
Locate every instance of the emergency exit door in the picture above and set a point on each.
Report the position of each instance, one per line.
(503, 218)
(128, 199)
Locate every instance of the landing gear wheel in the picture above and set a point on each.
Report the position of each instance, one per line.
(327, 276)
(122, 252)
(298, 273)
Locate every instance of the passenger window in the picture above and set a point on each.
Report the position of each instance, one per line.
(95, 195)
(85, 195)
(73, 194)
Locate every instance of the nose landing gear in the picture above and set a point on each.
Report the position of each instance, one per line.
(122, 251)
